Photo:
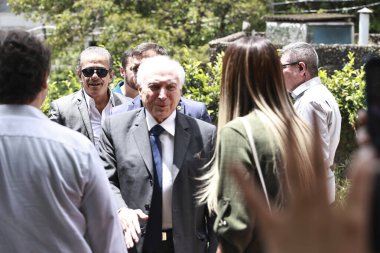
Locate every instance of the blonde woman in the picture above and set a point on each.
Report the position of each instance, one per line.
(252, 87)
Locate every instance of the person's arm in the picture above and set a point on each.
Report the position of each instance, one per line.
(210, 216)
(232, 225)
(129, 218)
(323, 113)
(107, 155)
(103, 229)
(204, 114)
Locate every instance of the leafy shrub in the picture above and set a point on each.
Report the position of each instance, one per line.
(348, 87)
(203, 82)
(62, 82)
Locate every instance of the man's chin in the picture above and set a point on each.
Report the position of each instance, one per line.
(161, 115)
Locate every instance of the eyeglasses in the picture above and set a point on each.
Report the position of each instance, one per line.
(289, 64)
(89, 72)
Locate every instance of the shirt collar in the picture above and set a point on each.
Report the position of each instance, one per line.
(168, 124)
(21, 110)
(305, 86)
(91, 102)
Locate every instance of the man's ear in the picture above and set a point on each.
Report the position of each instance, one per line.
(45, 83)
(302, 66)
(112, 74)
(78, 73)
(122, 71)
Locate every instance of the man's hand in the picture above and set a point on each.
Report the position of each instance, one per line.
(130, 222)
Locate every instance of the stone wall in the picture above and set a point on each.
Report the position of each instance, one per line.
(331, 57)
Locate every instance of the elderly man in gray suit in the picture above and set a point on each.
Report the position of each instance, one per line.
(154, 157)
(85, 110)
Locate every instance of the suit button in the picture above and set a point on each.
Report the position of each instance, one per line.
(147, 207)
(151, 182)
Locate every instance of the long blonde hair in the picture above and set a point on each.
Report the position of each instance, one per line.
(252, 80)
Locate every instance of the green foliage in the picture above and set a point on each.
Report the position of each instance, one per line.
(342, 182)
(203, 81)
(119, 25)
(348, 87)
(62, 82)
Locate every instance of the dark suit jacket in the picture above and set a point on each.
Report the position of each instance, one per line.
(126, 153)
(186, 106)
(71, 111)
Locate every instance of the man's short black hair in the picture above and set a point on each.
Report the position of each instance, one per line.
(126, 56)
(146, 46)
(24, 64)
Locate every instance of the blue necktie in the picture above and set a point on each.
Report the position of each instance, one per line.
(155, 144)
(154, 226)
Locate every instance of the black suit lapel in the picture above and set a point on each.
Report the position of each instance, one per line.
(83, 110)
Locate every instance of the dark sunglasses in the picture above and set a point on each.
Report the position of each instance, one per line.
(289, 64)
(89, 72)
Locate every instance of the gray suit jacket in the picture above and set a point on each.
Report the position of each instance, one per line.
(71, 111)
(126, 153)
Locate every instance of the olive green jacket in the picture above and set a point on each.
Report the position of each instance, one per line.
(235, 231)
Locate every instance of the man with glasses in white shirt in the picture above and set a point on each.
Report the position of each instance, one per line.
(86, 109)
(300, 68)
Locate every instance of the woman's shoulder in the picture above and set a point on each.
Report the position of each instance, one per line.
(237, 123)
(235, 128)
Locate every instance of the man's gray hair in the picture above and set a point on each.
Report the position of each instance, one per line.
(160, 62)
(302, 51)
(98, 51)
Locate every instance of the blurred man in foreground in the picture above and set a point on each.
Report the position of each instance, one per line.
(53, 190)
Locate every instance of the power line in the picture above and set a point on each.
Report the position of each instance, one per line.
(311, 1)
(343, 9)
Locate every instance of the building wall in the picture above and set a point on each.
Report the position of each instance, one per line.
(284, 33)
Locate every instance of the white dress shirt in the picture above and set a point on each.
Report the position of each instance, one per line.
(169, 173)
(54, 193)
(313, 96)
(96, 118)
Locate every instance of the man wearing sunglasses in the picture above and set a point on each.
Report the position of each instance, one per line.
(131, 61)
(300, 69)
(86, 109)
